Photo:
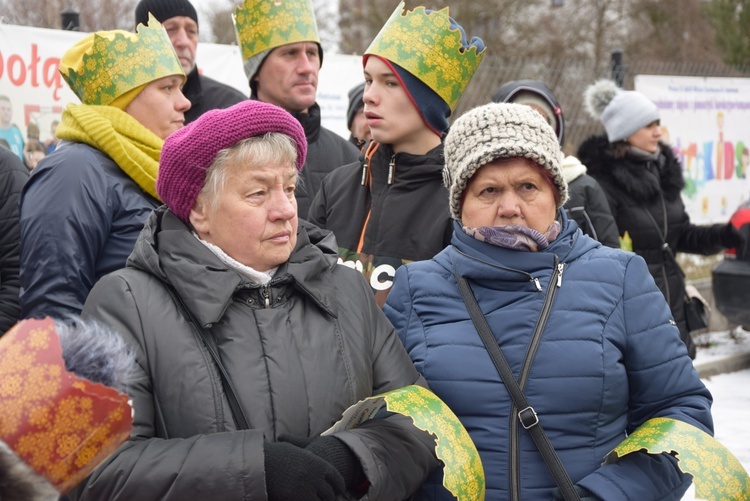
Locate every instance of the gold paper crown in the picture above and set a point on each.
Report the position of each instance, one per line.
(60, 425)
(107, 64)
(425, 46)
(262, 25)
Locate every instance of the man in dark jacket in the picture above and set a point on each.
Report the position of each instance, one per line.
(13, 176)
(356, 121)
(286, 74)
(180, 20)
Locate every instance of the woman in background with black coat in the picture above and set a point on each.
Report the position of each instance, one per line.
(643, 180)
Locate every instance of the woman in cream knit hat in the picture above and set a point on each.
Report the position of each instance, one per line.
(83, 208)
(584, 329)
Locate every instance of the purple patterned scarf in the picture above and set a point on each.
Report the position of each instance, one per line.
(514, 237)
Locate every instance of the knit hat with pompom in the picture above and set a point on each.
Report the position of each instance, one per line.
(188, 153)
(622, 112)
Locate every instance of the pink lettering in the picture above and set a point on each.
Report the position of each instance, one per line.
(37, 72)
(17, 78)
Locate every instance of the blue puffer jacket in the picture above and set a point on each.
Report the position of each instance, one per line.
(609, 359)
(80, 218)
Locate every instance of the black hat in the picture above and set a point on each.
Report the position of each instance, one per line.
(355, 103)
(163, 10)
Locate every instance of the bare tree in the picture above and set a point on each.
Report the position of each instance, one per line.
(671, 30)
(94, 15)
(222, 26)
(732, 21)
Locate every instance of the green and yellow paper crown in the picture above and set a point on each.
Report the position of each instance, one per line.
(425, 46)
(107, 64)
(263, 25)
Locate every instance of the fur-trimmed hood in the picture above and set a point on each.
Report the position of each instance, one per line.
(627, 173)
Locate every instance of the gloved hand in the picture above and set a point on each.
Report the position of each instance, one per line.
(336, 453)
(731, 237)
(584, 494)
(295, 473)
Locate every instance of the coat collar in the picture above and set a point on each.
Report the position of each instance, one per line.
(483, 262)
(627, 174)
(168, 250)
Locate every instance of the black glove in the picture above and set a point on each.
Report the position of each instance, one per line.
(731, 237)
(743, 250)
(336, 453)
(294, 473)
(584, 494)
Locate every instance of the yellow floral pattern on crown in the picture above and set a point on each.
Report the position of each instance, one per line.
(118, 61)
(60, 425)
(425, 46)
(717, 473)
(262, 25)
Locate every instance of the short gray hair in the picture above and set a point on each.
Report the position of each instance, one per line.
(270, 148)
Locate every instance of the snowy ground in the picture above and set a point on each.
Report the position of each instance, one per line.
(731, 392)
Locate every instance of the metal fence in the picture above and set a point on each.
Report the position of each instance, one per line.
(569, 78)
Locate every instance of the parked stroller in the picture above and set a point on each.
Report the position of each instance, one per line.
(731, 277)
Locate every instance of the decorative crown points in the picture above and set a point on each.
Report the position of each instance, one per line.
(262, 25)
(424, 44)
(60, 425)
(118, 61)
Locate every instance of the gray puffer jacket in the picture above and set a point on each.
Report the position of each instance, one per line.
(319, 345)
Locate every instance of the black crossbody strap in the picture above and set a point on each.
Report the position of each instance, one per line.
(240, 420)
(527, 416)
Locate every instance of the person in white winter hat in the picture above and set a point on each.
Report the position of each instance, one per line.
(642, 179)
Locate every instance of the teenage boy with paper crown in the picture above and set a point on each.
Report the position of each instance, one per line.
(282, 55)
(391, 207)
(85, 204)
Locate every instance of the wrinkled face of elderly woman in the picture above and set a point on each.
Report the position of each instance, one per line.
(509, 191)
(247, 206)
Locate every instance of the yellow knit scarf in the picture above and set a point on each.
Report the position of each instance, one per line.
(134, 148)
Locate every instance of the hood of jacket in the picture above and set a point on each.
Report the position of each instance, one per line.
(167, 249)
(509, 89)
(572, 168)
(627, 173)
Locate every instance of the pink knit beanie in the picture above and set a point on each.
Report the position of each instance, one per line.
(188, 153)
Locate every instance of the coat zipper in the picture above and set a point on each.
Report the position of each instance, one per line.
(515, 458)
(265, 292)
(664, 244)
(391, 168)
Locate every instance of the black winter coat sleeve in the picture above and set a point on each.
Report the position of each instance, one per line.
(13, 176)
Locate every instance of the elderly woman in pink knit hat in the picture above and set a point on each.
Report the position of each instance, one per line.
(250, 340)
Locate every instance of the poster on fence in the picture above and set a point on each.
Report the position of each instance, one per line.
(706, 120)
(29, 77)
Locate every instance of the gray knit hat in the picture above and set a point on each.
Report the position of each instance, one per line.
(622, 112)
(494, 131)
